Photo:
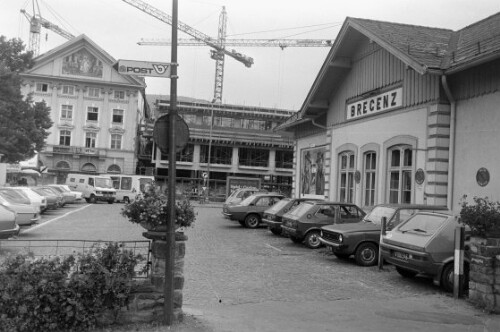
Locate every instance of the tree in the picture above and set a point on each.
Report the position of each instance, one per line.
(24, 124)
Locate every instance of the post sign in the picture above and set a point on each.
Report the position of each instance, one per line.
(143, 68)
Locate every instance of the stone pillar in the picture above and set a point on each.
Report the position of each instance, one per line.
(146, 301)
(484, 283)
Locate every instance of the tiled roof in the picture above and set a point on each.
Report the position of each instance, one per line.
(477, 40)
(427, 46)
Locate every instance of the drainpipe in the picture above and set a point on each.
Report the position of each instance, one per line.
(317, 124)
(451, 157)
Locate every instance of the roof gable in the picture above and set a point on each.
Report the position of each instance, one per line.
(83, 60)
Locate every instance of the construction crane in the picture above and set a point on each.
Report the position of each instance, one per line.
(281, 43)
(218, 44)
(36, 24)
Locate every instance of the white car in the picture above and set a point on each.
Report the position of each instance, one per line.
(35, 198)
(78, 195)
(27, 214)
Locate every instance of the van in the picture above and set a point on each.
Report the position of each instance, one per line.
(93, 187)
(129, 186)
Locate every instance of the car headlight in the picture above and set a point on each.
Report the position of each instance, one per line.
(341, 238)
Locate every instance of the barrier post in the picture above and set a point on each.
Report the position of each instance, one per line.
(458, 271)
(382, 233)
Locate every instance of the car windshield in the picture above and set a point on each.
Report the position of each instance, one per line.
(424, 224)
(301, 209)
(15, 196)
(103, 183)
(375, 215)
(278, 206)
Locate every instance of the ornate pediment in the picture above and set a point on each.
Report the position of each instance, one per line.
(116, 130)
(82, 63)
(91, 127)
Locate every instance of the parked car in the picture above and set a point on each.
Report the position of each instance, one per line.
(35, 198)
(273, 216)
(78, 194)
(362, 239)
(8, 225)
(304, 222)
(60, 198)
(425, 244)
(14, 195)
(26, 214)
(250, 210)
(240, 194)
(68, 196)
(53, 200)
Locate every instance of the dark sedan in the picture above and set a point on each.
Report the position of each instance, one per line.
(273, 216)
(304, 222)
(250, 210)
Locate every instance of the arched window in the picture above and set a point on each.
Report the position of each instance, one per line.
(89, 167)
(400, 169)
(347, 168)
(114, 169)
(62, 164)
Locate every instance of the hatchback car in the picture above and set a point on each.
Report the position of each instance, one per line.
(8, 225)
(249, 211)
(27, 214)
(424, 244)
(362, 239)
(67, 195)
(304, 222)
(53, 200)
(53, 191)
(273, 216)
(240, 194)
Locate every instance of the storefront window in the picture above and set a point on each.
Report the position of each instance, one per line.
(400, 174)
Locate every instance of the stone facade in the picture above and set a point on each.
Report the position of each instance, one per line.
(484, 283)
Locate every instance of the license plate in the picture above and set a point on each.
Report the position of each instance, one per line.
(401, 255)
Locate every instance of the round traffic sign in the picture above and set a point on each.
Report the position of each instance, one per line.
(161, 133)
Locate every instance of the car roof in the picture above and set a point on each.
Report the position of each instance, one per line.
(268, 194)
(414, 206)
(331, 203)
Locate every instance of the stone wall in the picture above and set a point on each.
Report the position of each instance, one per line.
(146, 300)
(484, 283)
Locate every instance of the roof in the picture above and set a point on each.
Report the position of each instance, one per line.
(424, 49)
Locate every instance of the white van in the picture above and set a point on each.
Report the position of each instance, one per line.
(129, 186)
(93, 187)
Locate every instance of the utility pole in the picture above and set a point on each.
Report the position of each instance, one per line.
(170, 236)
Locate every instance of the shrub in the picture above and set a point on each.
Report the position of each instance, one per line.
(64, 294)
(483, 217)
(151, 208)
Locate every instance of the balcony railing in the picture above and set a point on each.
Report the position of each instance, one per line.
(75, 150)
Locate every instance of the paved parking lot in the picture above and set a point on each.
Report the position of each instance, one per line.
(240, 279)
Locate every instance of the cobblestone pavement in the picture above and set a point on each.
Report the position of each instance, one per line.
(233, 273)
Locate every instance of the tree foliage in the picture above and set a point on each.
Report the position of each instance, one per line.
(24, 124)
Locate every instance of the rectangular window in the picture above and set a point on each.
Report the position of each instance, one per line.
(116, 141)
(119, 95)
(346, 176)
(370, 171)
(253, 157)
(94, 92)
(284, 159)
(65, 137)
(221, 155)
(67, 112)
(92, 113)
(90, 139)
(42, 87)
(117, 116)
(400, 174)
(68, 90)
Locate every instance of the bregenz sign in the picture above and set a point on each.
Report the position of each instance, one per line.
(382, 102)
(143, 68)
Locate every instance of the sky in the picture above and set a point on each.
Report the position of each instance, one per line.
(277, 79)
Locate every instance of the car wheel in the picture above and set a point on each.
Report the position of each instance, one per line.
(92, 199)
(367, 254)
(312, 240)
(405, 273)
(447, 278)
(296, 239)
(276, 231)
(252, 221)
(341, 256)
(126, 200)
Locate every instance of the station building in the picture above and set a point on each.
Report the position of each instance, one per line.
(402, 114)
